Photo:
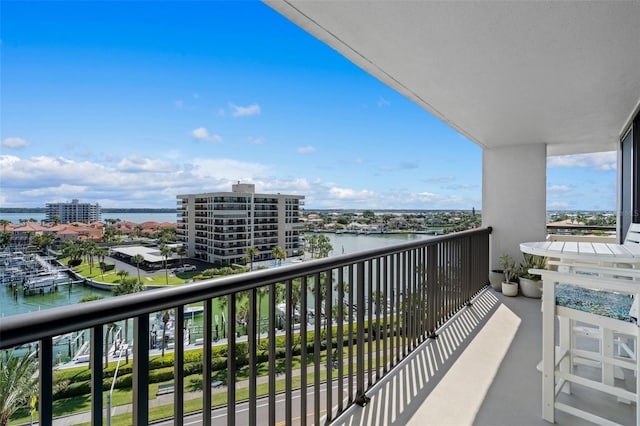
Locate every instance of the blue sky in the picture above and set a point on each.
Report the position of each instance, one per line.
(130, 104)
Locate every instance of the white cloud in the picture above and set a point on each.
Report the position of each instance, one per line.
(343, 193)
(202, 133)
(141, 164)
(179, 104)
(604, 161)
(14, 143)
(440, 179)
(306, 150)
(133, 182)
(558, 188)
(61, 190)
(255, 141)
(244, 111)
(382, 102)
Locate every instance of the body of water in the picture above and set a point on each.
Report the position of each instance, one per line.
(129, 217)
(352, 243)
(67, 295)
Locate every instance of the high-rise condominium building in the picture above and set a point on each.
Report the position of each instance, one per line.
(221, 226)
(75, 211)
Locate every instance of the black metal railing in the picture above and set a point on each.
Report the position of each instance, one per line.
(347, 321)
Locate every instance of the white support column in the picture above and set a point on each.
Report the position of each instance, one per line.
(514, 180)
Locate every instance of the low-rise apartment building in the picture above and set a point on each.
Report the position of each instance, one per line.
(219, 227)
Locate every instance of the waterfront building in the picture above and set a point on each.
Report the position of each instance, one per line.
(219, 227)
(75, 211)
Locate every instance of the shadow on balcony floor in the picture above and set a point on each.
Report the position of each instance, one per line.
(480, 371)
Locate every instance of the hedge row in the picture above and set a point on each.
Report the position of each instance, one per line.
(77, 382)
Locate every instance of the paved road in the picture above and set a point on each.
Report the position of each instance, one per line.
(219, 416)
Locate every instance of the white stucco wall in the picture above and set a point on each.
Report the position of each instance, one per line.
(514, 197)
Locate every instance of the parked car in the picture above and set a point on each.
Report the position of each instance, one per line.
(184, 268)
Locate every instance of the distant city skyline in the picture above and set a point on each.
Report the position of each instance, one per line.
(128, 104)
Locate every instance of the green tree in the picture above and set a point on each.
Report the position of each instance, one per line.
(165, 251)
(72, 250)
(279, 254)
(102, 253)
(127, 286)
(109, 234)
(138, 259)
(323, 246)
(252, 252)
(165, 320)
(261, 293)
(90, 298)
(4, 223)
(18, 383)
(5, 239)
(369, 215)
(182, 252)
(89, 248)
(43, 241)
(122, 274)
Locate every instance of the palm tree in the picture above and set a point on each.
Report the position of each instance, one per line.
(181, 251)
(261, 292)
(43, 241)
(102, 253)
(165, 319)
(90, 249)
(110, 328)
(5, 239)
(122, 274)
(18, 383)
(138, 259)
(165, 251)
(127, 286)
(4, 223)
(252, 252)
(279, 254)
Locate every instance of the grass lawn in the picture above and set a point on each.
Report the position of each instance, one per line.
(193, 383)
(111, 277)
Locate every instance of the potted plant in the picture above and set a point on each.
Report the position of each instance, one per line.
(531, 284)
(511, 272)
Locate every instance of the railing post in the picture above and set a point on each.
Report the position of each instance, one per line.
(45, 363)
(231, 360)
(141, 370)
(432, 285)
(96, 375)
(178, 370)
(361, 398)
(253, 348)
(207, 324)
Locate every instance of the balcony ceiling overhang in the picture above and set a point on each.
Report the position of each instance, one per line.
(565, 74)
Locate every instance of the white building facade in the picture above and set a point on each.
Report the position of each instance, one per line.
(220, 227)
(75, 211)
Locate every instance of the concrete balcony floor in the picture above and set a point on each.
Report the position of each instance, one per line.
(480, 371)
